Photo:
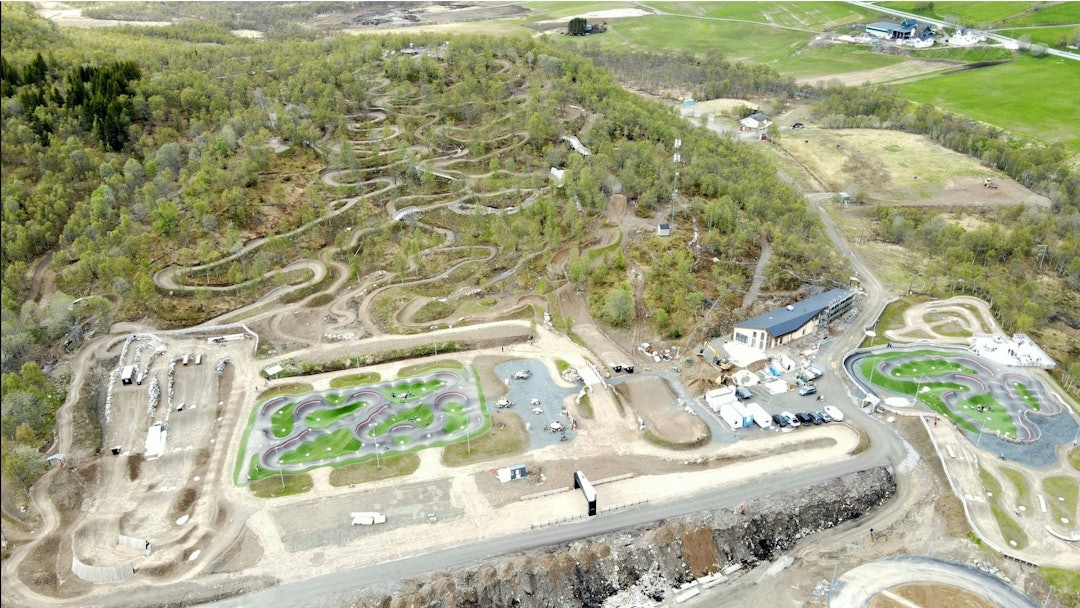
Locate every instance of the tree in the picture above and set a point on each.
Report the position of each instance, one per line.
(576, 27)
(619, 306)
(23, 465)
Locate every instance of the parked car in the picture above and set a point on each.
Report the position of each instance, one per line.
(797, 125)
(836, 414)
(824, 416)
(779, 420)
(804, 418)
(743, 393)
(816, 418)
(807, 389)
(792, 420)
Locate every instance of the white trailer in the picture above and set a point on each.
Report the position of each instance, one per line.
(735, 415)
(716, 398)
(761, 417)
(367, 518)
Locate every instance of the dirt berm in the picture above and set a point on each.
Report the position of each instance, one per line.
(656, 558)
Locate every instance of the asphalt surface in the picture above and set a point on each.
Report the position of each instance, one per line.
(858, 585)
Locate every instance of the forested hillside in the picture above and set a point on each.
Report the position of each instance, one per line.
(130, 151)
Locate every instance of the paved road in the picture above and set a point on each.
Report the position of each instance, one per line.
(859, 584)
(941, 24)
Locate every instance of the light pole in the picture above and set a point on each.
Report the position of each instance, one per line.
(378, 465)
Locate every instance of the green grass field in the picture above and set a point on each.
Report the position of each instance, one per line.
(1065, 487)
(1062, 13)
(1048, 34)
(355, 380)
(1023, 490)
(282, 485)
(1026, 395)
(421, 415)
(407, 391)
(1010, 529)
(324, 418)
(335, 444)
(970, 14)
(1074, 458)
(456, 418)
(282, 421)
(1034, 98)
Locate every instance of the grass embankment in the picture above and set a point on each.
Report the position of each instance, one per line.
(1010, 529)
(398, 465)
(420, 368)
(325, 418)
(1074, 458)
(1058, 488)
(892, 317)
(1066, 584)
(1023, 490)
(335, 444)
(657, 440)
(281, 421)
(584, 407)
(355, 380)
(296, 388)
(282, 485)
(506, 437)
(421, 415)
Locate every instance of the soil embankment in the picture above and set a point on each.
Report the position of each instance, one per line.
(659, 557)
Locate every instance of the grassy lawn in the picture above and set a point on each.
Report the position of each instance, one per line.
(561, 366)
(1062, 486)
(1074, 458)
(800, 15)
(1025, 394)
(674, 34)
(970, 14)
(928, 368)
(1008, 526)
(505, 437)
(324, 418)
(995, 419)
(338, 443)
(456, 418)
(543, 11)
(1023, 490)
(421, 415)
(1001, 95)
(1056, 14)
(407, 391)
(419, 368)
(282, 485)
(398, 465)
(297, 388)
(355, 379)
(1066, 584)
(281, 421)
(584, 407)
(1048, 35)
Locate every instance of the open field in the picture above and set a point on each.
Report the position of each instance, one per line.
(1001, 95)
(896, 168)
(970, 14)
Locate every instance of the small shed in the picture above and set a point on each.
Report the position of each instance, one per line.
(128, 374)
(663, 230)
(510, 473)
(757, 120)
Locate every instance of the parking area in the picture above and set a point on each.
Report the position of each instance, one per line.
(539, 400)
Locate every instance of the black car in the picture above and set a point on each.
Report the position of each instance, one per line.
(804, 418)
(815, 417)
(779, 420)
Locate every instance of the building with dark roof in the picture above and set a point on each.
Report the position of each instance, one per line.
(794, 321)
(899, 31)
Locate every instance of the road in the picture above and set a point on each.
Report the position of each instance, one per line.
(942, 24)
(886, 448)
(857, 585)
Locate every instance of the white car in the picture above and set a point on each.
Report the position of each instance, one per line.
(835, 413)
(792, 420)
